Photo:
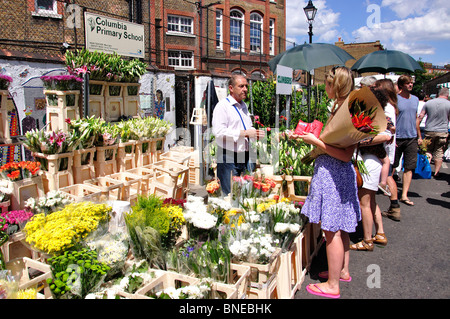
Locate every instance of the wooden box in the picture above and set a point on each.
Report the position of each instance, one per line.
(131, 99)
(146, 173)
(82, 192)
(63, 110)
(143, 153)
(260, 274)
(111, 189)
(167, 280)
(83, 165)
(21, 269)
(240, 279)
(113, 101)
(126, 160)
(105, 162)
(56, 176)
(96, 99)
(170, 180)
(131, 185)
(24, 189)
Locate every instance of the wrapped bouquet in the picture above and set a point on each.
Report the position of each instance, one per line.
(358, 118)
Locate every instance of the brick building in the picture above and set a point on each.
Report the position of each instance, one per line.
(215, 37)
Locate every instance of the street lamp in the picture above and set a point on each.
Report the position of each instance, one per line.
(310, 11)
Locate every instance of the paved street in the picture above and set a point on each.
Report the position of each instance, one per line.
(415, 263)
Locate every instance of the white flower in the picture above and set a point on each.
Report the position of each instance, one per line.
(281, 228)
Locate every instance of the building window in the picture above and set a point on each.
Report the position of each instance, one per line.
(256, 25)
(46, 8)
(179, 24)
(219, 29)
(236, 30)
(181, 59)
(272, 36)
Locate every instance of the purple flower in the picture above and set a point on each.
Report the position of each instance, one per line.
(6, 78)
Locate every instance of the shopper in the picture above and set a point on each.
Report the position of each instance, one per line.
(436, 126)
(406, 134)
(333, 199)
(370, 155)
(233, 130)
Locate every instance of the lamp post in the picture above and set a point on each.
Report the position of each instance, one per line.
(310, 11)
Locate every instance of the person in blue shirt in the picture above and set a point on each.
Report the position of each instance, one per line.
(406, 133)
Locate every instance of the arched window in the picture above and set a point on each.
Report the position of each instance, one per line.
(256, 27)
(236, 30)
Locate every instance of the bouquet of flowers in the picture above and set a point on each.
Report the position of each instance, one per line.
(15, 171)
(62, 82)
(248, 186)
(213, 188)
(202, 290)
(112, 250)
(16, 220)
(61, 230)
(200, 223)
(5, 190)
(51, 202)
(359, 117)
(253, 244)
(76, 273)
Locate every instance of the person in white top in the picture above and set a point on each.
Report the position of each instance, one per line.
(234, 131)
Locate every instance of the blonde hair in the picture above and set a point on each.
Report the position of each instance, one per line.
(341, 81)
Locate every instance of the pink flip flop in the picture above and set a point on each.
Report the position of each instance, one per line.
(324, 275)
(321, 293)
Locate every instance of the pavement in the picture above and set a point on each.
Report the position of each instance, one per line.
(414, 264)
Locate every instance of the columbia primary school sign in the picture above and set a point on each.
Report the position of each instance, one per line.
(111, 35)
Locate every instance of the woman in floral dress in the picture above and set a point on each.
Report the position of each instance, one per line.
(333, 198)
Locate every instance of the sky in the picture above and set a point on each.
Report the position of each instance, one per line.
(420, 28)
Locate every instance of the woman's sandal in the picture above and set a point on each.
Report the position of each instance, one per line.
(380, 238)
(363, 245)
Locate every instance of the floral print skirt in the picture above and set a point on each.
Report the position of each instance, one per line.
(333, 197)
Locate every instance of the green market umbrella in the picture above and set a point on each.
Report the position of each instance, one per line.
(386, 61)
(310, 56)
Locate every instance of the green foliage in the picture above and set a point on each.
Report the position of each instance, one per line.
(264, 104)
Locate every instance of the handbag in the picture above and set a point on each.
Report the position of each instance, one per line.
(423, 168)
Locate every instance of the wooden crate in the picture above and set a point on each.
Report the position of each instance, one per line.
(167, 280)
(289, 274)
(269, 290)
(82, 192)
(131, 185)
(24, 189)
(170, 180)
(131, 103)
(106, 162)
(291, 189)
(17, 247)
(21, 269)
(53, 178)
(96, 101)
(126, 160)
(143, 158)
(82, 172)
(58, 114)
(111, 189)
(240, 279)
(260, 274)
(146, 173)
(223, 291)
(113, 103)
(180, 158)
(156, 150)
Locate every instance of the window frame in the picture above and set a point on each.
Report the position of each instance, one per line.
(259, 39)
(272, 36)
(219, 34)
(180, 59)
(54, 13)
(180, 25)
(242, 30)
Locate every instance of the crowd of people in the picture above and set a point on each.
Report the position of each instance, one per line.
(335, 200)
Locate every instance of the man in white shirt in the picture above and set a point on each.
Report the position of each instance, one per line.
(234, 131)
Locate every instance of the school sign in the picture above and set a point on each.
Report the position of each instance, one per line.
(111, 35)
(284, 80)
